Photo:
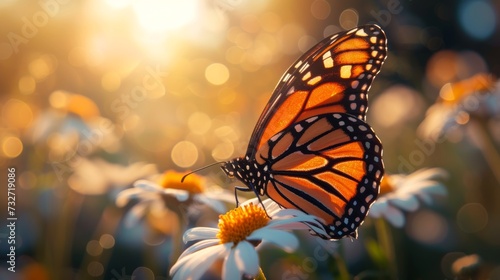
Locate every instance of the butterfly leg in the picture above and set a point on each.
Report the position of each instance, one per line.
(242, 189)
(248, 189)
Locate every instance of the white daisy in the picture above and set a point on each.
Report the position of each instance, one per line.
(241, 232)
(479, 95)
(96, 176)
(400, 193)
(73, 125)
(170, 192)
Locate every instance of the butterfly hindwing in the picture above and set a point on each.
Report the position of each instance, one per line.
(332, 77)
(329, 166)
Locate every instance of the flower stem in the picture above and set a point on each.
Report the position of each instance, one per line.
(342, 267)
(385, 238)
(261, 275)
(108, 224)
(64, 232)
(486, 145)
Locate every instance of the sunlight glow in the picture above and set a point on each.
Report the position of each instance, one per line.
(162, 15)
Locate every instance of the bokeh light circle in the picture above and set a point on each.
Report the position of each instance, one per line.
(217, 73)
(17, 114)
(199, 123)
(396, 105)
(472, 217)
(184, 154)
(144, 273)
(107, 241)
(27, 84)
(12, 146)
(349, 18)
(442, 67)
(95, 269)
(223, 151)
(320, 9)
(427, 227)
(94, 248)
(477, 18)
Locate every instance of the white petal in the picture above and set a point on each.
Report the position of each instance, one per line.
(394, 216)
(246, 258)
(429, 174)
(147, 185)
(180, 195)
(193, 266)
(199, 246)
(271, 207)
(254, 201)
(378, 208)
(288, 212)
(437, 189)
(230, 268)
(294, 223)
(198, 233)
(124, 196)
(302, 222)
(218, 206)
(426, 195)
(407, 202)
(135, 214)
(286, 240)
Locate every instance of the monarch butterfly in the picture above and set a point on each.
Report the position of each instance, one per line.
(311, 148)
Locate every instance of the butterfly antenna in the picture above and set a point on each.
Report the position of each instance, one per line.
(199, 169)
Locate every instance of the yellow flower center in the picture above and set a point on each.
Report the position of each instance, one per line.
(172, 180)
(386, 186)
(239, 223)
(453, 93)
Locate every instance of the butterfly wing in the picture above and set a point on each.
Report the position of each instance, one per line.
(332, 77)
(329, 166)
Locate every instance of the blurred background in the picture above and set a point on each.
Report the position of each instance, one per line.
(97, 94)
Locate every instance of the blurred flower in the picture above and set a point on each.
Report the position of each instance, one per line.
(478, 95)
(400, 193)
(168, 192)
(73, 125)
(241, 232)
(95, 177)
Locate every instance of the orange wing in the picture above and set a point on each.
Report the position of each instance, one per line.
(333, 77)
(311, 149)
(329, 166)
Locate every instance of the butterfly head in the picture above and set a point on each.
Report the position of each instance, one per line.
(237, 167)
(229, 168)
(247, 171)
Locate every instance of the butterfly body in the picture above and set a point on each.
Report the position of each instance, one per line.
(311, 148)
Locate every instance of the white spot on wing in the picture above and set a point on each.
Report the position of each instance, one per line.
(362, 33)
(328, 62)
(304, 67)
(298, 128)
(287, 76)
(352, 31)
(306, 76)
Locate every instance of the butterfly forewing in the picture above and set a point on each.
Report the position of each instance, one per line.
(332, 77)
